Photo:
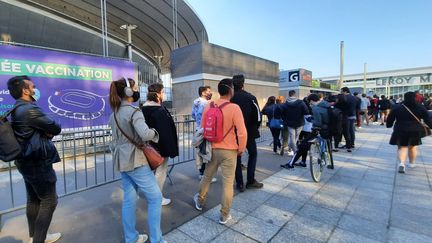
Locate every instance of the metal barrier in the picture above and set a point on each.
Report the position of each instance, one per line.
(87, 163)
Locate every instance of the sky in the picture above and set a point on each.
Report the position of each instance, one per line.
(385, 34)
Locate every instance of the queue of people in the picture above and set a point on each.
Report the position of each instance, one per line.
(222, 138)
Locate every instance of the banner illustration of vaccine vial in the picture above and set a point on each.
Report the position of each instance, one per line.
(74, 88)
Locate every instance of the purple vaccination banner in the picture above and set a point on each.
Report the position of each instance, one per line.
(74, 88)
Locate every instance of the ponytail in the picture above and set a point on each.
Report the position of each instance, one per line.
(114, 98)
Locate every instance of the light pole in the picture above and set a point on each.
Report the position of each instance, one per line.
(340, 83)
(129, 28)
(364, 77)
(159, 58)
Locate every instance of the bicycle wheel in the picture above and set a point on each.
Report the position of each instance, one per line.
(315, 161)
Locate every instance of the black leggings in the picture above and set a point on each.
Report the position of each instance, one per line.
(303, 147)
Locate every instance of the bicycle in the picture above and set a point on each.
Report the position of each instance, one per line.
(320, 154)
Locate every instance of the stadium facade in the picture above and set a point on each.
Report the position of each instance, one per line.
(390, 83)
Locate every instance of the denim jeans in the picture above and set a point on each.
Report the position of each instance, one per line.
(252, 160)
(276, 141)
(143, 179)
(349, 132)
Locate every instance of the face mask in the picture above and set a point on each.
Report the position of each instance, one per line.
(136, 96)
(36, 94)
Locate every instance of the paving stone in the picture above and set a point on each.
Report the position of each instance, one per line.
(259, 196)
(423, 198)
(397, 235)
(412, 218)
(309, 228)
(272, 215)
(277, 181)
(320, 214)
(369, 210)
(331, 200)
(298, 192)
(376, 185)
(372, 200)
(340, 235)
(379, 194)
(272, 188)
(256, 228)
(244, 205)
(214, 215)
(232, 236)
(290, 236)
(284, 203)
(337, 188)
(363, 227)
(178, 236)
(196, 230)
(378, 178)
(290, 175)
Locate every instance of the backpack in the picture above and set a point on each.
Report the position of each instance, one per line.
(10, 149)
(213, 126)
(335, 120)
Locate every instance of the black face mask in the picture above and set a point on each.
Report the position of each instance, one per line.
(136, 96)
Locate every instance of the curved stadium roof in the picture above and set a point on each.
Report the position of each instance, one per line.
(154, 19)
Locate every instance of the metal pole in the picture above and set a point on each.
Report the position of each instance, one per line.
(129, 36)
(175, 32)
(106, 28)
(102, 27)
(364, 78)
(340, 83)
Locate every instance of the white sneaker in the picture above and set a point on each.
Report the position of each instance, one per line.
(401, 168)
(290, 153)
(224, 220)
(142, 238)
(165, 201)
(212, 181)
(412, 166)
(50, 238)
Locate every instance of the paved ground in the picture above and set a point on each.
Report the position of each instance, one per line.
(363, 200)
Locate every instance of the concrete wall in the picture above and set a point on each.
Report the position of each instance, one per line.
(206, 64)
(184, 94)
(213, 59)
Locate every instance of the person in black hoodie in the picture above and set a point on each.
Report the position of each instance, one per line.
(348, 105)
(384, 107)
(158, 117)
(292, 113)
(252, 118)
(34, 129)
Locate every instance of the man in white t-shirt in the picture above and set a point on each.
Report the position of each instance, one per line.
(365, 103)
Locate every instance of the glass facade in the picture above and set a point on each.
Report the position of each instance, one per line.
(393, 84)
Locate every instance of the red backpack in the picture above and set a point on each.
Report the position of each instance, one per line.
(213, 126)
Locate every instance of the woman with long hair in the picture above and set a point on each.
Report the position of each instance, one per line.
(270, 110)
(407, 130)
(127, 123)
(158, 117)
